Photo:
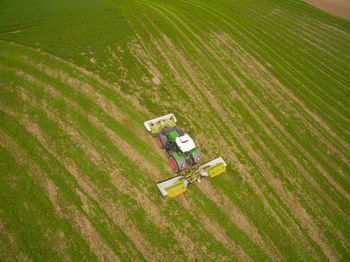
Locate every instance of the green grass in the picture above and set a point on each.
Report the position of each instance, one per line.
(264, 84)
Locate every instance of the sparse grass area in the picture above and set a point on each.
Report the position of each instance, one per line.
(265, 84)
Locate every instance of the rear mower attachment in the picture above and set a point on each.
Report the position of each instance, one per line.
(213, 168)
(176, 186)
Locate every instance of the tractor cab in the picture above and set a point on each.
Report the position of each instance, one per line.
(185, 143)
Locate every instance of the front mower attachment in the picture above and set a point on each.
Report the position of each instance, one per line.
(154, 126)
(213, 168)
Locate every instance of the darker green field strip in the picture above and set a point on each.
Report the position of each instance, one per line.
(98, 24)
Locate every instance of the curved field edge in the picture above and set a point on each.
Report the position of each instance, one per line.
(78, 168)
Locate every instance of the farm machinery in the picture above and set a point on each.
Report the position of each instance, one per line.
(184, 157)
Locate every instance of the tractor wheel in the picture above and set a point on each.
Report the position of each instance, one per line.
(173, 164)
(159, 142)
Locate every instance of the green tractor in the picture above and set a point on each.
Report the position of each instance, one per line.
(182, 154)
(179, 147)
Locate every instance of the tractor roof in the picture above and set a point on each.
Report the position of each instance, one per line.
(185, 143)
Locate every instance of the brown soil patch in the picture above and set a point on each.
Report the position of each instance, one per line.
(337, 7)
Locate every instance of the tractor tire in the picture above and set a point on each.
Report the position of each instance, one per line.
(161, 141)
(173, 164)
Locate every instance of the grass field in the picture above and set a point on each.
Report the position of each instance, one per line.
(265, 84)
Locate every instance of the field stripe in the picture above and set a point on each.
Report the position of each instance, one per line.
(218, 233)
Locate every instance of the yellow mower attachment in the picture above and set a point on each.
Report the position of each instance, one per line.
(176, 189)
(213, 168)
(175, 186)
(216, 170)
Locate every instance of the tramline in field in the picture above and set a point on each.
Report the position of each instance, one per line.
(183, 156)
